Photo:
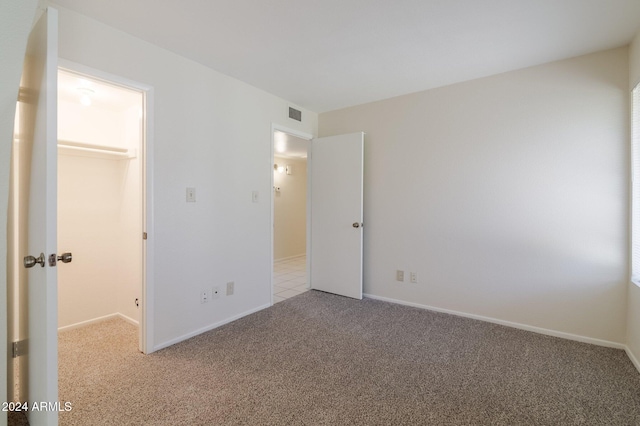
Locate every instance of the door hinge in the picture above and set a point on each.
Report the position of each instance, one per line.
(144, 235)
(18, 348)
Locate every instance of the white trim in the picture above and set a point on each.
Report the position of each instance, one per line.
(208, 328)
(632, 280)
(148, 290)
(88, 322)
(76, 68)
(283, 259)
(128, 319)
(146, 340)
(309, 217)
(97, 320)
(633, 358)
(302, 135)
(539, 330)
(297, 133)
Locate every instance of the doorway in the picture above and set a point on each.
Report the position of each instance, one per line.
(290, 215)
(101, 207)
(100, 200)
(334, 212)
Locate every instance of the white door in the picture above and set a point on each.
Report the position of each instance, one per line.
(38, 154)
(336, 214)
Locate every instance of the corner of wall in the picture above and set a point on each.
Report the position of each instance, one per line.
(634, 61)
(633, 295)
(424, 150)
(633, 325)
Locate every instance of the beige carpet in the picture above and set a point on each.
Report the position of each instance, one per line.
(321, 359)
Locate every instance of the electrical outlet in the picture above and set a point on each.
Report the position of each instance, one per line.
(230, 288)
(215, 292)
(399, 275)
(413, 277)
(204, 296)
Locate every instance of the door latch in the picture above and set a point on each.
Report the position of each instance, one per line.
(64, 258)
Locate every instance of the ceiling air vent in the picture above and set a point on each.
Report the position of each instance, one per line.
(295, 114)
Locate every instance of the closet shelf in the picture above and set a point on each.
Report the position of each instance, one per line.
(84, 149)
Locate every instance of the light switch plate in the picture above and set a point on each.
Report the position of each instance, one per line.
(191, 195)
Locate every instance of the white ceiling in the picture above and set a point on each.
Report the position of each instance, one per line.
(328, 54)
(289, 146)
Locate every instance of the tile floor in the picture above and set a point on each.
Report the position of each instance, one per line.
(289, 278)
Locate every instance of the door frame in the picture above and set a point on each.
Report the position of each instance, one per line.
(146, 326)
(308, 137)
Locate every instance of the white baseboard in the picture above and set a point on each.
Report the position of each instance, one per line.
(207, 328)
(548, 332)
(88, 322)
(128, 319)
(98, 319)
(282, 259)
(633, 358)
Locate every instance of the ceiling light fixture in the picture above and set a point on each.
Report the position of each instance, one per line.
(85, 96)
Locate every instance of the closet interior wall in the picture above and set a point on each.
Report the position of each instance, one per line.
(99, 211)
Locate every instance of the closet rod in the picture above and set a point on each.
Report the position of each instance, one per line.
(90, 148)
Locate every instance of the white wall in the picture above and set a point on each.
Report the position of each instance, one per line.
(89, 196)
(633, 320)
(213, 133)
(15, 24)
(87, 124)
(130, 221)
(99, 214)
(290, 209)
(508, 195)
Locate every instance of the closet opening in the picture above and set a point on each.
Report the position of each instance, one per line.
(100, 207)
